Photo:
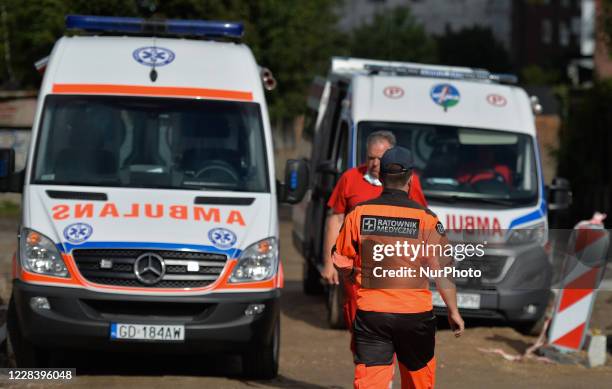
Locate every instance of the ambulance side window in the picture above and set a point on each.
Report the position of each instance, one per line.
(310, 120)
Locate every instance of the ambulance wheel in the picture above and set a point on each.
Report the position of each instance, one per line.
(335, 307)
(532, 328)
(20, 352)
(262, 363)
(311, 282)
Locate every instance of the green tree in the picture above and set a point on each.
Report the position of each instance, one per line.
(393, 35)
(473, 47)
(585, 141)
(536, 75)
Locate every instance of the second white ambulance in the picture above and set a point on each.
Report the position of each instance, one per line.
(474, 140)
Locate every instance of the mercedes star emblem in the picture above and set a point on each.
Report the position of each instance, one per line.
(149, 268)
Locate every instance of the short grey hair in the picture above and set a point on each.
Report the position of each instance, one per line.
(381, 135)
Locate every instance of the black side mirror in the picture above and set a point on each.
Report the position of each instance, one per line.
(294, 188)
(9, 180)
(7, 163)
(559, 194)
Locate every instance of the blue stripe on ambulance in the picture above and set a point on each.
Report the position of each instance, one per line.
(535, 215)
(68, 247)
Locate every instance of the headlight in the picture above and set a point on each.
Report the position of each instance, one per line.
(536, 233)
(38, 254)
(257, 262)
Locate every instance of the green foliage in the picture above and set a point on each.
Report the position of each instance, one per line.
(31, 27)
(9, 209)
(473, 47)
(535, 75)
(294, 39)
(393, 35)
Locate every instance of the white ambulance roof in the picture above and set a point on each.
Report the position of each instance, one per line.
(93, 60)
(409, 99)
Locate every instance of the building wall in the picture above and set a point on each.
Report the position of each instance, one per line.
(546, 32)
(547, 129)
(602, 59)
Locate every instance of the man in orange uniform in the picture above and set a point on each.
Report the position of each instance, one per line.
(395, 311)
(355, 186)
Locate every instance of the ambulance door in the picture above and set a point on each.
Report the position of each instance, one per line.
(326, 169)
(325, 173)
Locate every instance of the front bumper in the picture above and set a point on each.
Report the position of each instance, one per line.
(505, 305)
(80, 319)
(521, 294)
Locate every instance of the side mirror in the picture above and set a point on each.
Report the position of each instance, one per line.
(559, 194)
(9, 180)
(296, 181)
(7, 163)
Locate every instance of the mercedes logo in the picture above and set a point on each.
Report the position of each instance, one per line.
(149, 268)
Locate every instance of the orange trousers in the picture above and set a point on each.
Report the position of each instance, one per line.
(379, 377)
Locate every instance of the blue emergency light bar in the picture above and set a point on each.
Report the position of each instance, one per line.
(474, 74)
(202, 28)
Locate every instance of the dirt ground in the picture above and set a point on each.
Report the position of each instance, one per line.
(314, 356)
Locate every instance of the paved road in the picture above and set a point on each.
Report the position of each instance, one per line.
(313, 356)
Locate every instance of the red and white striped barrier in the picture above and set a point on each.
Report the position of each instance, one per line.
(583, 270)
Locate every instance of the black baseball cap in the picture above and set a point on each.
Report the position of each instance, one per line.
(399, 156)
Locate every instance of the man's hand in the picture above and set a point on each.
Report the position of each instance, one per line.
(456, 323)
(329, 273)
(332, 229)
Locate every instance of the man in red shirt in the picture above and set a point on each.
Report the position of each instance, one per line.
(357, 185)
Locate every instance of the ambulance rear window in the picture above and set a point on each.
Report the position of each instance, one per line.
(151, 143)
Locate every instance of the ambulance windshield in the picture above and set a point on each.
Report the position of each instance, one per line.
(151, 143)
(466, 164)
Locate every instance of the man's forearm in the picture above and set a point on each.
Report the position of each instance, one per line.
(449, 295)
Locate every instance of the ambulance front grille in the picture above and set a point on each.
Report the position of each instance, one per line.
(491, 266)
(183, 269)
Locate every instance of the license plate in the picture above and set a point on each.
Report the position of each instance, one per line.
(464, 300)
(147, 332)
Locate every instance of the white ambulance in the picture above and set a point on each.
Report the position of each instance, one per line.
(149, 198)
(476, 152)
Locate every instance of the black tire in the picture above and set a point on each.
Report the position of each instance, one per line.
(20, 352)
(335, 307)
(311, 282)
(262, 363)
(531, 328)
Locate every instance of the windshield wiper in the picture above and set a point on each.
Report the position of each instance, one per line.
(78, 183)
(492, 200)
(453, 198)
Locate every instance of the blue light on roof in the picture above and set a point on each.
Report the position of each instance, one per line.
(202, 28)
